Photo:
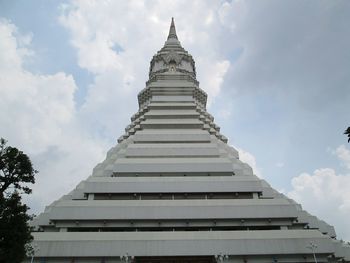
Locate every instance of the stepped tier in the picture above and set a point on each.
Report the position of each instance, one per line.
(173, 190)
(288, 244)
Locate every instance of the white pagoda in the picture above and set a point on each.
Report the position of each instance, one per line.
(173, 190)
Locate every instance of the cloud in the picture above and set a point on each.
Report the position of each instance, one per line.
(39, 116)
(138, 29)
(326, 194)
(249, 158)
(33, 105)
(290, 46)
(213, 76)
(14, 44)
(344, 155)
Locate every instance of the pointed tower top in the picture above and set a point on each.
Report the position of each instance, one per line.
(172, 30)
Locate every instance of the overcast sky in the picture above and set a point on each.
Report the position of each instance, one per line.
(277, 74)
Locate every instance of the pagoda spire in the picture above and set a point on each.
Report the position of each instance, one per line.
(172, 30)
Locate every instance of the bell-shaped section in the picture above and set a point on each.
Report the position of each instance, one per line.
(172, 58)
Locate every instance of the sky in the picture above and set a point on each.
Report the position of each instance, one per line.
(277, 74)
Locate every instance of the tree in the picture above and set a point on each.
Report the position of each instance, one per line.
(15, 169)
(347, 131)
(16, 172)
(14, 229)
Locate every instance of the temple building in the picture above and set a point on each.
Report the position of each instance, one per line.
(173, 190)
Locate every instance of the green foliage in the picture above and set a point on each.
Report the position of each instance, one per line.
(16, 172)
(15, 169)
(347, 131)
(14, 229)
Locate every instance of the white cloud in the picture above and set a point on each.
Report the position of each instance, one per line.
(139, 30)
(326, 194)
(344, 155)
(249, 158)
(39, 116)
(235, 9)
(14, 47)
(213, 76)
(36, 107)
